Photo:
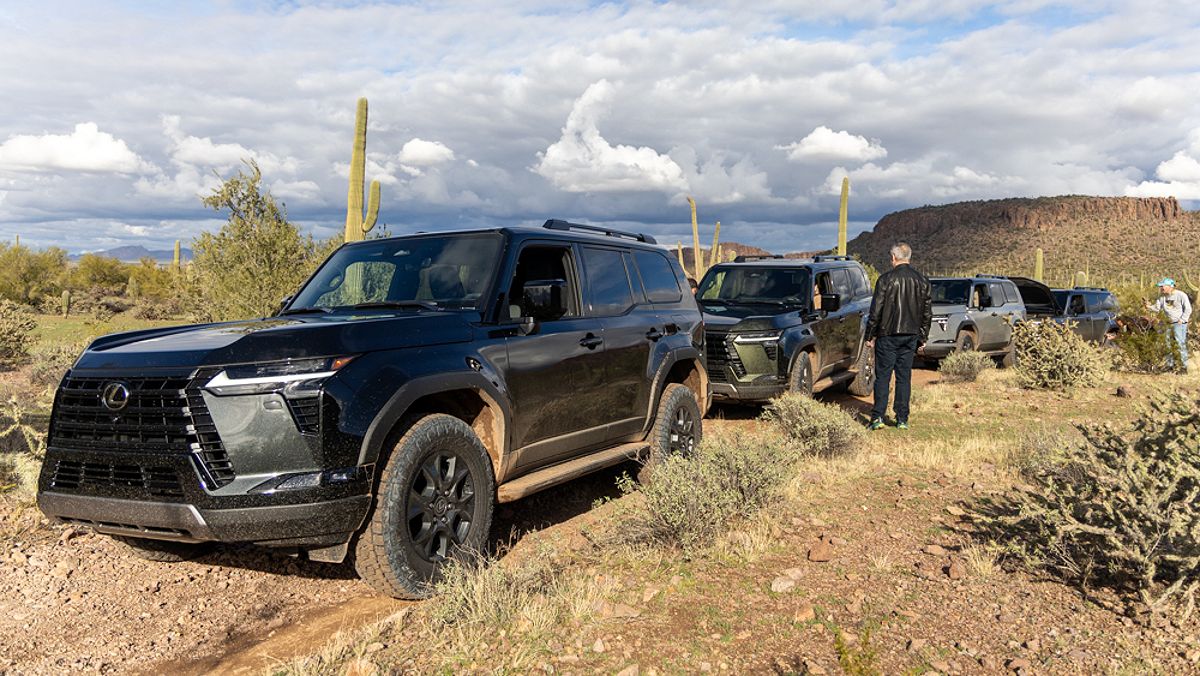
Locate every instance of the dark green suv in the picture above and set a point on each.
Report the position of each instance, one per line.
(774, 324)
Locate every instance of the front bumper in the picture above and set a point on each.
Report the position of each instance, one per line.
(756, 391)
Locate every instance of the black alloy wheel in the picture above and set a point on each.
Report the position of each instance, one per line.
(441, 504)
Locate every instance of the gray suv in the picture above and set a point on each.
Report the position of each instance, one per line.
(974, 313)
(1091, 311)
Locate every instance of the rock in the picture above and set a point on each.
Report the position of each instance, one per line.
(989, 663)
(360, 667)
(817, 522)
(1032, 645)
(649, 594)
(17, 559)
(622, 610)
(955, 510)
(956, 570)
(1125, 391)
(1078, 655)
(915, 644)
(896, 535)
(1005, 617)
(374, 647)
(1019, 664)
(631, 670)
(794, 573)
(812, 667)
(934, 550)
(820, 552)
(942, 666)
(782, 584)
(806, 613)
(837, 541)
(598, 646)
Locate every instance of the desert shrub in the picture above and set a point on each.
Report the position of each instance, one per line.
(16, 333)
(1052, 356)
(19, 474)
(811, 426)
(1143, 344)
(1118, 508)
(19, 429)
(50, 363)
(965, 367)
(688, 500)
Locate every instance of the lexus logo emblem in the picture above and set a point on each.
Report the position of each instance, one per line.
(115, 396)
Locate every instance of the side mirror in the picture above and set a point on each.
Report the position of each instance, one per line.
(831, 302)
(543, 300)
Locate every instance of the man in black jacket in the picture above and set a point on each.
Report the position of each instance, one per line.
(897, 330)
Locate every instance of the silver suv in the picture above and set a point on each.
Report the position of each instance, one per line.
(974, 313)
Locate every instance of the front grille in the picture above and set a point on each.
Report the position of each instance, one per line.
(163, 414)
(721, 354)
(306, 412)
(70, 475)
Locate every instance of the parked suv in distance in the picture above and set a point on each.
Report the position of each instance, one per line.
(775, 324)
(1091, 311)
(974, 313)
(410, 385)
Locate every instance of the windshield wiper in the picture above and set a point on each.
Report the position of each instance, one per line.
(306, 310)
(395, 304)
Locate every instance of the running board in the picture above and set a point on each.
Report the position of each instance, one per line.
(829, 381)
(566, 471)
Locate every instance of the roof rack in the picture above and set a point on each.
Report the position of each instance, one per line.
(756, 257)
(1089, 288)
(982, 276)
(558, 224)
(821, 258)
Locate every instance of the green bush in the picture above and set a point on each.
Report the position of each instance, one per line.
(965, 367)
(689, 500)
(1052, 356)
(1143, 344)
(1120, 508)
(811, 426)
(16, 333)
(51, 363)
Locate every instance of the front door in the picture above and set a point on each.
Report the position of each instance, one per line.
(552, 372)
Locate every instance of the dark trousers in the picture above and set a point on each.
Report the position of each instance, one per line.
(893, 354)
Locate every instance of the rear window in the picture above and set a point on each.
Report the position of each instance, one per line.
(1011, 293)
(657, 277)
(996, 291)
(862, 287)
(841, 283)
(608, 282)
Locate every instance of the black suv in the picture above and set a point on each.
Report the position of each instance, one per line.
(1090, 311)
(776, 324)
(411, 384)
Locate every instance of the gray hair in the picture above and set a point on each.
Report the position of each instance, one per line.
(902, 252)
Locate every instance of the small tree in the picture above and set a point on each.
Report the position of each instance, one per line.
(256, 259)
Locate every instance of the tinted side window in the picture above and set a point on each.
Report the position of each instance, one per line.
(996, 290)
(607, 281)
(862, 287)
(1077, 305)
(657, 277)
(1011, 293)
(841, 283)
(1108, 303)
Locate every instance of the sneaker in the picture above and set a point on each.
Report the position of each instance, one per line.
(876, 424)
(901, 425)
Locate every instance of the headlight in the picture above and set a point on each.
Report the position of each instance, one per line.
(293, 375)
(757, 337)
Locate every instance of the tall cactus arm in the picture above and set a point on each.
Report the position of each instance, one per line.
(1192, 286)
(712, 253)
(697, 261)
(372, 208)
(842, 214)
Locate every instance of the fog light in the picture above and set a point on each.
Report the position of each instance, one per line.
(329, 477)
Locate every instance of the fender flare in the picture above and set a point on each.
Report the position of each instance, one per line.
(801, 348)
(400, 402)
(673, 357)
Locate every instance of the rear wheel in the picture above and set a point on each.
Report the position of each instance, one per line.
(163, 551)
(677, 427)
(434, 504)
(864, 382)
(801, 381)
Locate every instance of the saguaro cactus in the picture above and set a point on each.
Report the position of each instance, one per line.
(697, 261)
(358, 224)
(716, 246)
(842, 213)
(1039, 266)
(175, 257)
(1192, 286)
(66, 302)
(1081, 278)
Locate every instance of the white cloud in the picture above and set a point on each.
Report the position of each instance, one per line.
(421, 153)
(826, 144)
(1179, 176)
(85, 149)
(584, 161)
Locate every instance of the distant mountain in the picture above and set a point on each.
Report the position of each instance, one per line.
(133, 254)
(1114, 239)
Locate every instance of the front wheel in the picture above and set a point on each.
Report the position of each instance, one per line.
(434, 504)
(965, 342)
(801, 381)
(677, 430)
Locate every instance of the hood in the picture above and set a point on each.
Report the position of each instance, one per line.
(749, 318)
(945, 309)
(275, 338)
(1038, 298)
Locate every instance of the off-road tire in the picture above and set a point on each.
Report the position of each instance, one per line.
(863, 383)
(966, 341)
(419, 479)
(677, 430)
(163, 551)
(801, 380)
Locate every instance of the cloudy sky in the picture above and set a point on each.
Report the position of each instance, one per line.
(117, 116)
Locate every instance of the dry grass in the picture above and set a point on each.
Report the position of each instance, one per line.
(347, 652)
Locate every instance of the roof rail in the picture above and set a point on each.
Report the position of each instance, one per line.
(1090, 288)
(982, 276)
(821, 258)
(558, 224)
(756, 257)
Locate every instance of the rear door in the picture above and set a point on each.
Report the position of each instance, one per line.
(1004, 313)
(849, 315)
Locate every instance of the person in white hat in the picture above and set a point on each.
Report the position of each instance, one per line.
(1178, 309)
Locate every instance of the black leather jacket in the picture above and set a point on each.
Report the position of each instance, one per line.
(901, 306)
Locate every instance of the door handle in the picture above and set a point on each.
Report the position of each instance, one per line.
(591, 342)
(654, 334)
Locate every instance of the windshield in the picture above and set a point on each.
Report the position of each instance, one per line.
(950, 291)
(774, 286)
(432, 272)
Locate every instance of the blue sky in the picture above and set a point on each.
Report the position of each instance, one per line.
(118, 117)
